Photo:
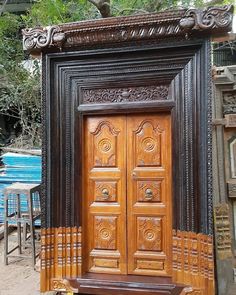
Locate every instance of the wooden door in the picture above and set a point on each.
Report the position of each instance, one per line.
(149, 194)
(127, 194)
(105, 194)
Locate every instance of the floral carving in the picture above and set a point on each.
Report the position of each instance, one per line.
(129, 94)
(211, 18)
(42, 37)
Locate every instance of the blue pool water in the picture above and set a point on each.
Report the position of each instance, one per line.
(18, 168)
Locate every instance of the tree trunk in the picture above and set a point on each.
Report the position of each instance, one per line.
(104, 7)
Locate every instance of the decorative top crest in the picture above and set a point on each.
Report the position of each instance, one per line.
(42, 37)
(114, 30)
(211, 18)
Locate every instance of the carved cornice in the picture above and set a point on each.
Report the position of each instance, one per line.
(127, 29)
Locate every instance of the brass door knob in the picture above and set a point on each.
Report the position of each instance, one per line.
(105, 193)
(148, 194)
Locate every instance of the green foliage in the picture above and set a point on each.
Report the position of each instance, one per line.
(48, 12)
(19, 89)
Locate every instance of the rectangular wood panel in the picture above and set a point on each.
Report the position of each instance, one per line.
(149, 194)
(105, 194)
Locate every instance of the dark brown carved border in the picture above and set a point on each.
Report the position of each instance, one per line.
(161, 25)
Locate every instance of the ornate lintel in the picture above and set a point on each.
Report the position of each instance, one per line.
(113, 30)
(210, 18)
(42, 37)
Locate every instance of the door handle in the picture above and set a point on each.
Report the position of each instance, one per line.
(148, 194)
(105, 194)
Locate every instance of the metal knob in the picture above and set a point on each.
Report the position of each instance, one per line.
(105, 193)
(148, 194)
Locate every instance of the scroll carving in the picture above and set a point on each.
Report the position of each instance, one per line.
(62, 285)
(129, 94)
(42, 37)
(222, 231)
(212, 17)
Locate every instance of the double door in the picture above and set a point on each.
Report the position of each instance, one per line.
(127, 194)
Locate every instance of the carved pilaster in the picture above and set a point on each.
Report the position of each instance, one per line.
(193, 262)
(60, 257)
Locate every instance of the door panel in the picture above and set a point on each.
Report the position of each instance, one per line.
(149, 194)
(105, 194)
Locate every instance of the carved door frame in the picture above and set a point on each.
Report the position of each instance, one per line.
(142, 56)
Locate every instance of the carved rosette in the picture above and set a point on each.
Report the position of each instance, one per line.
(211, 18)
(42, 37)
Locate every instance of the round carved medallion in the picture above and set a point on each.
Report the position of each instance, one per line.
(105, 234)
(104, 145)
(149, 235)
(148, 144)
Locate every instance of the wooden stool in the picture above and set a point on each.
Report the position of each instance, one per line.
(14, 196)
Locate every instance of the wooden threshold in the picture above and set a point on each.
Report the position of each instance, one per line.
(100, 284)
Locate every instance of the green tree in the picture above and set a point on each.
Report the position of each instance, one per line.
(19, 88)
(46, 12)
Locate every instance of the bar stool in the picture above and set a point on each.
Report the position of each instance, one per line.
(21, 207)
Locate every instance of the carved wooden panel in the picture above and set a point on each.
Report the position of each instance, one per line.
(105, 191)
(229, 102)
(149, 191)
(222, 231)
(105, 145)
(105, 232)
(105, 194)
(148, 144)
(130, 94)
(149, 194)
(149, 233)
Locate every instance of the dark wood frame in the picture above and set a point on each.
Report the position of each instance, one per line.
(191, 125)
